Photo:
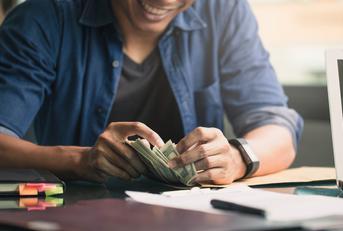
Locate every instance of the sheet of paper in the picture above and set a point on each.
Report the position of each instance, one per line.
(278, 207)
(295, 175)
(198, 200)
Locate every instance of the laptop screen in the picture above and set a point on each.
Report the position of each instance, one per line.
(340, 75)
(334, 63)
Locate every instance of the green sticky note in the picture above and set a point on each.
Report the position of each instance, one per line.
(54, 191)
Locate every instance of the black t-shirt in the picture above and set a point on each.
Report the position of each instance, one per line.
(144, 95)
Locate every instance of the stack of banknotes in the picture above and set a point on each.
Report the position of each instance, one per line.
(156, 160)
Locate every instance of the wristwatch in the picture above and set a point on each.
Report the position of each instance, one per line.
(248, 156)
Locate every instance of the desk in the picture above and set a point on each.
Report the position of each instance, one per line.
(98, 207)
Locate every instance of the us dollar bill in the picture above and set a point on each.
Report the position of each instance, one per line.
(156, 160)
(187, 172)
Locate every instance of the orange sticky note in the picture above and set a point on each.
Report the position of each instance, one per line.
(27, 191)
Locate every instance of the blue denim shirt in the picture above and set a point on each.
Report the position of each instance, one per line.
(61, 60)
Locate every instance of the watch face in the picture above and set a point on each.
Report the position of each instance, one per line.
(251, 154)
(251, 160)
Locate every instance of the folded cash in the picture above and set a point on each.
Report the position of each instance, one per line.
(156, 160)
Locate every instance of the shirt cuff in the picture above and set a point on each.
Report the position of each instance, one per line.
(282, 116)
(8, 132)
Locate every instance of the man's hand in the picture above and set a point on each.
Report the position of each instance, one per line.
(112, 157)
(212, 154)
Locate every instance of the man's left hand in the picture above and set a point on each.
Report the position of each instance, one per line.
(218, 161)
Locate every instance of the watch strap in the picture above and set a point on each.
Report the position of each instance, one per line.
(250, 159)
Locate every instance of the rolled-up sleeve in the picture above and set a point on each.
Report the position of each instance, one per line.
(282, 116)
(6, 131)
(27, 63)
(251, 93)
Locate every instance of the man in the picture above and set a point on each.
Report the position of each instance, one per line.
(92, 73)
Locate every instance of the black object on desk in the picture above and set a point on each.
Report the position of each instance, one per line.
(225, 205)
(28, 182)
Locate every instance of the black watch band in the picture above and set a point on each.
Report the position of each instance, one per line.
(248, 156)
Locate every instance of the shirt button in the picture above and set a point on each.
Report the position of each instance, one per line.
(115, 64)
(99, 110)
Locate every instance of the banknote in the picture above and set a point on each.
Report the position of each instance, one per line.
(156, 160)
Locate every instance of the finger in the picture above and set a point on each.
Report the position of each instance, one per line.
(215, 175)
(131, 156)
(96, 175)
(146, 143)
(199, 152)
(210, 162)
(114, 158)
(140, 129)
(124, 151)
(198, 135)
(110, 169)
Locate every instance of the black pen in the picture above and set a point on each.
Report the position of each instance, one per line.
(225, 205)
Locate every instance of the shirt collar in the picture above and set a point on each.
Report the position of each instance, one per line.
(189, 20)
(98, 13)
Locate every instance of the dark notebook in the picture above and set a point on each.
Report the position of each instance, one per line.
(29, 182)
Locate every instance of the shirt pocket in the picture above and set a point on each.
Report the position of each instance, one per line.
(208, 106)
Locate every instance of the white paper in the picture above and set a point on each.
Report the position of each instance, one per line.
(278, 206)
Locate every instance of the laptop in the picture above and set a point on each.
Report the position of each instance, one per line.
(334, 68)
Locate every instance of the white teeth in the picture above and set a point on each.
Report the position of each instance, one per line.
(153, 10)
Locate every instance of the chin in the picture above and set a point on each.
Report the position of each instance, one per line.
(151, 27)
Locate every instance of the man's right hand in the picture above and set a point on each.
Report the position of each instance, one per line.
(111, 156)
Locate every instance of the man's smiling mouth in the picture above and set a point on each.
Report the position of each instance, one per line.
(158, 10)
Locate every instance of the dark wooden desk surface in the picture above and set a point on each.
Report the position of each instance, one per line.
(117, 214)
(98, 207)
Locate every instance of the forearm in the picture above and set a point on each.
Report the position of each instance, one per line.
(17, 153)
(274, 147)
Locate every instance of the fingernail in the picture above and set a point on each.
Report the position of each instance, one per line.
(172, 164)
(160, 143)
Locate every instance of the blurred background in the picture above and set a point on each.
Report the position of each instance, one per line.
(297, 33)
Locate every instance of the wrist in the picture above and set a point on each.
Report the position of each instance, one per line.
(239, 163)
(67, 161)
(248, 156)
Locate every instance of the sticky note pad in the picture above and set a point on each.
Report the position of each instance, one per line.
(28, 182)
